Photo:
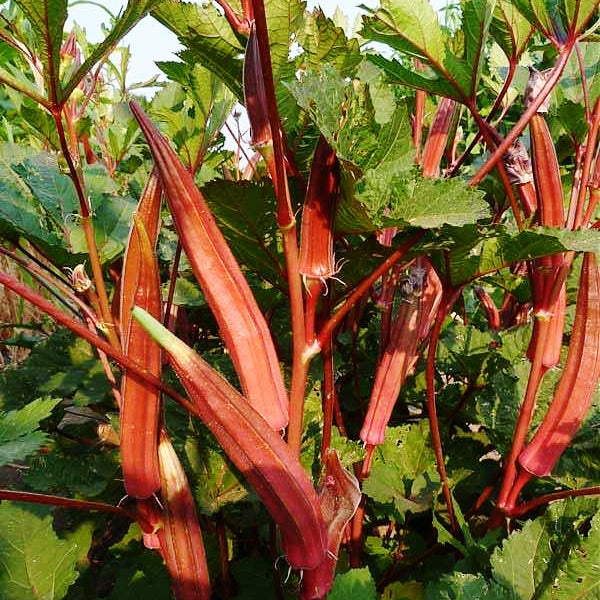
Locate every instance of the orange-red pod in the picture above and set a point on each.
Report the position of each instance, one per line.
(258, 452)
(180, 537)
(575, 390)
(242, 325)
(316, 233)
(437, 138)
(140, 402)
(410, 327)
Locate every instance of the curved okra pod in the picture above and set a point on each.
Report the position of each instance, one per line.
(267, 462)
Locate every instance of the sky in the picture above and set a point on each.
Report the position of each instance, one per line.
(149, 41)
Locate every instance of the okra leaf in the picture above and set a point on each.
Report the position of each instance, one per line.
(519, 563)
(403, 470)
(475, 251)
(409, 26)
(47, 21)
(323, 42)
(284, 19)
(497, 404)
(412, 28)
(428, 80)
(19, 434)
(510, 29)
(577, 577)
(245, 212)
(397, 200)
(208, 38)
(22, 214)
(132, 14)
(477, 18)
(193, 109)
(465, 586)
(571, 85)
(357, 584)
(556, 18)
(70, 471)
(34, 562)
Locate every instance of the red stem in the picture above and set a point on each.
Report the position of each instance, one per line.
(363, 287)
(436, 438)
(526, 507)
(517, 129)
(17, 496)
(287, 224)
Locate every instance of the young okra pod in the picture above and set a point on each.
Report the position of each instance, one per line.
(180, 537)
(316, 233)
(409, 328)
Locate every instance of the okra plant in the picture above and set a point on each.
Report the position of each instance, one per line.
(351, 352)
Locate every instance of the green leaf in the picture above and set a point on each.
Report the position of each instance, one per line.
(517, 564)
(322, 42)
(193, 109)
(284, 19)
(133, 13)
(409, 26)
(357, 584)
(72, 471)
(393, 200)
(411, 590)
(476, 251)
(380, 188)
(427, 80)
(555, 18)
(497, 404)
(254, 578)
(18, 435)
(208, 38)
(510, 29)
(412, 28)
(577, 576)
(34, 563)
(47, 20)
(477, 18)
(403, 470)
(571, 85)
(466, 586)
(246, 214)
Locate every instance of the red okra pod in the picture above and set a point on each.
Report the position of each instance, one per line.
(410, 327)
(242, 325)
(140, 402)
(575, 390)
(316, 233)
(267, 462)
(437, 138)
